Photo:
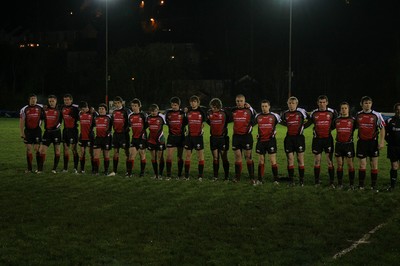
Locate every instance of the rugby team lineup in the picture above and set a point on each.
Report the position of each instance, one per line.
(82, 131)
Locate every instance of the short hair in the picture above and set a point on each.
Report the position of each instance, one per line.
(365, 98)
(52, 96)
(136, 101)
(293, 98)
(118, 99)
(175, 100)
(68, 95)
(83, 104)
(240, 96)
(215, 102)
(153, 107)
(103, 105)
(32, 95)
(194, 98)
(323, 97)
(395, 106)
(345, 103)
(265, 101)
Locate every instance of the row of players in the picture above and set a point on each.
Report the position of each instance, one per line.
(186, 133)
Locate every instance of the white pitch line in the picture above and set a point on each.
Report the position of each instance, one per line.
(362, 240)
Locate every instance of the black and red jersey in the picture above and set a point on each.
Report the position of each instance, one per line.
(393, 131)
(323, 122)
(176, 122)
(345, 127)
(218, 122)
(267, 125)
(195, 119)
(32, 115)
(368, 124)
(86, 122)
(119, 120)
(52, 118)
(137, 122)
(294, 121)
(243, 120)
(70, 115)
(155, 125)
(102, 123)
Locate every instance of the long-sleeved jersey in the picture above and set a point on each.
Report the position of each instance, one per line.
(323, 122)
(294, 121)
(86, 122)
(102, 123)
(393, 131)
(70, 115)
(137, 122)
(243, 120)
(32, 115)
(176, 122)
(52, 118)
(267, 125)
(368, 124)
(345, 127)
(155, 125)
(218, 122)
(195, 119)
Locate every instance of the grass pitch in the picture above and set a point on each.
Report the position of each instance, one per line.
(67, 219)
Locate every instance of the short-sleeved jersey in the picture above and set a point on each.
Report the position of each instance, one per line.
(137, 122)
(102, 123)
(52, 118)
(294, 121)
(32, 115)
(119, 120)
(176, 122)
(243, 120)
(267, 125)
(70, 115)
(218, 122)
(155, 125)
(195, 119)
(86, 122)
(345, 127)
(368, 124)
(323, 122)
(393, 131)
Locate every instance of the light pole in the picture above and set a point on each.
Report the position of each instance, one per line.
(290, 49)
(106, 52)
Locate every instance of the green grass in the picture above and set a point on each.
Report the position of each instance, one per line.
(67, 219)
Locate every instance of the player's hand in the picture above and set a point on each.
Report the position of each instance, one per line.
(247, 105)
(380, 146)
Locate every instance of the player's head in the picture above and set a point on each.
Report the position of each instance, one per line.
(194, 101)
(215, 104)
(240, 101)
(344, 109)
(366, 103)
(32, 99)
(135, 105)
(265, 106)
(396, 109)
(68, 99)
(102, 109)
(118, 102)
(292, 103)
(175, 103)
(322, 102)
(84, 106)
(153, 109)
(52, 100)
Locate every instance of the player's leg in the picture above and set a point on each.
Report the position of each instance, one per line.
(393, 173)
(238, 164)
(170, 152)
(274, 167)
(290, 165)
(361, 172)
(200, 166)
(374, 172)
(180, 160)
(215, 154)
(131, 160)
(161, 164)
(300, 161)
(82, 155)
(261, 166)
(42, 151)
(317, 167)
(225, 163)
(142, 154)
(249, 163)
(96, 160)
(339, 170)
(106, 158)
(331, 170)
(188, 158)
(352, 172)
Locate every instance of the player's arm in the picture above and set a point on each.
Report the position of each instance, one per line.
(22, 126)
(382, 135)
(308, 120)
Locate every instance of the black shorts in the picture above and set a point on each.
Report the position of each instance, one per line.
(33, 136)
(264, 147)
(322, 144)
(86, 143)
(196, 143)
(344, 149)
(242, 142)
(120, 140)
(294, 144)
(139, 143)
(51, 136)
(175, 141)
(70, 136)
(219, 143)
(393, 153)
(156, 147)
(103, 143)
(367, 148)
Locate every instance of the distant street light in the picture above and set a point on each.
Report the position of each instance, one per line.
(290, 49)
